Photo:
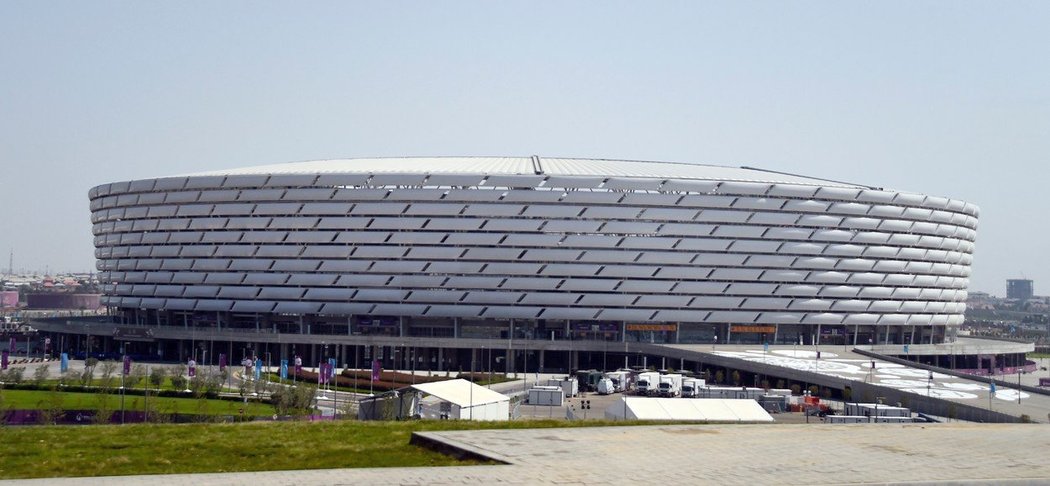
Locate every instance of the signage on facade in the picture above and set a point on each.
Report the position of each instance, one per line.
(755, 329)
(652, 327)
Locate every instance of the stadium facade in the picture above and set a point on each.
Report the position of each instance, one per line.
(529, 248)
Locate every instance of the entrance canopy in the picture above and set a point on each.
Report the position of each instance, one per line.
(461, 393)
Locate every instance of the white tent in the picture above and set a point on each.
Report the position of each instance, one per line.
(704, 409)
(461, 399)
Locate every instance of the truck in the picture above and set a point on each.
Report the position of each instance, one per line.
(670, 385)
(692, 387)
(647, 383)
(621, 379)
(605, 387)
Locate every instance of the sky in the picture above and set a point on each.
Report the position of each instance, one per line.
(942, 98)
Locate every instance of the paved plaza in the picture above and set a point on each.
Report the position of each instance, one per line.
(698, 454)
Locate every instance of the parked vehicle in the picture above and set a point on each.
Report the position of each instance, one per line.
(647, 383)
(605, 387)
(589, 379)
(670, 385)
(691, 387)
(621, 380)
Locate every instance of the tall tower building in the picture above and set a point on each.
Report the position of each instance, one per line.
(1020, 289)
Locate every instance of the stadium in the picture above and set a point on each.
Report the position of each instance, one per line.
(433, 257)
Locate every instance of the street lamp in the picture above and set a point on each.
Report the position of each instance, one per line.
(1019, 371)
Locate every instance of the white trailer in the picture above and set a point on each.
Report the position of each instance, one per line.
(647, 383)
(569, 386)
(670, 385)
(605, 387)
(546, 395)
(875, 410)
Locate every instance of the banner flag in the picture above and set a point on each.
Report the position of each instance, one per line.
(258, 369)
(320, 373)
(64, 366)
(11, 345)
(376, 369)
(222, 362)
(284, 369)
(3, 360)
(298, 365)
(127, 365)
(331, 368)
(191, 368)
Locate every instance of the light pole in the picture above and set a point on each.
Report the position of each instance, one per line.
(123, 373)
(1019, 385)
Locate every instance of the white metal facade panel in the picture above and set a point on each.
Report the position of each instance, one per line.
(652, 238)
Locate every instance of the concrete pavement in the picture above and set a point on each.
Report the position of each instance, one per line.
(695, 454)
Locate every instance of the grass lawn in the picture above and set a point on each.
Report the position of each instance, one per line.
(71, 451)
(1038, 355)
(30, 399)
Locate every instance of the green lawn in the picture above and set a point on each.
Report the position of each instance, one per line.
(32, 399)
(71, 451)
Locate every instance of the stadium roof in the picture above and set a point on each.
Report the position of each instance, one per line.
(530, 166)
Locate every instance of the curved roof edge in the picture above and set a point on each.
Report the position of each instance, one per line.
(533, 165)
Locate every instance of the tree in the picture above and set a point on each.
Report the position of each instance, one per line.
(40, 374)
(68, 377)
(51, 407)
(736, 378)
(136, 377)
(87, 376)
(178, 376)
(104, 407)
(14, 375)
(156, 376)
(107, 380)
(720, 377)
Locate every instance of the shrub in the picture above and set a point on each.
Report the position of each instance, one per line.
(156, 376)
(51, 407)
(107, 380)
(296, 401)
(87, 376)
(136, 377)
(178, 377)
(14, 375)
(40, 374)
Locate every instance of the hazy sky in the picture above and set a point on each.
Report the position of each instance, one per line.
(943, 98)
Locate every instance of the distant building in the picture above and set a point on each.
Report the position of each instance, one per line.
(1019, 289)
